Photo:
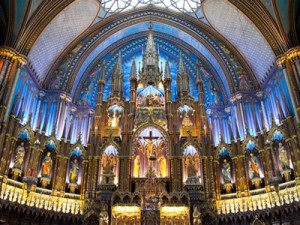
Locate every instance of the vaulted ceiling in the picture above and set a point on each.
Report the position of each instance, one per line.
(228, 37)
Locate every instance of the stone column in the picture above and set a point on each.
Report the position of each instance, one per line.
(284, 62)
(217, 179)
(211, 177)
(11, 77)
(168, 103)
(206, 178)
(84, 177)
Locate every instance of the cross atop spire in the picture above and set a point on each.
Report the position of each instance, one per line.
(150, 48)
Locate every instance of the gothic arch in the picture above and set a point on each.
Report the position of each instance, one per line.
(30, 132)
(273, 130)
(194, 144)
(146, 125)
(106, 144)
(81, 147)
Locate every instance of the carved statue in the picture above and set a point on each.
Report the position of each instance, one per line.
(253, 166)
(20, 153)
(186, 122)
(103, 218)
(47, 165)
(191, 169)
(108, 172)
(283, 157)
(108, 169)
(226, 171)
(136, 170)
(196, 216)
(162, 166)
(114, 118)
(74, 171)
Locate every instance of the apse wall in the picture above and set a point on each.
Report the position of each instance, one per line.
(246, 112)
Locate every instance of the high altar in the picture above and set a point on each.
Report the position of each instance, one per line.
(146, 179)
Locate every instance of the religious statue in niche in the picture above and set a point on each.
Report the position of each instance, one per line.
(108, 171)
(46, 165)
(46, 170)
(185, 111)
(226, 171)
(253, 166)
(191, 162)
(137, 164)
(114, 114)
(162, 165)
(74, 171)
(20, 153)
(283, 157)
(19, 158)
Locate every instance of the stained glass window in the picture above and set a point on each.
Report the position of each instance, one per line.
(191, 7)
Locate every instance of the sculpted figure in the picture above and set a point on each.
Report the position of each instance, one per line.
(47, 165)
(74, 171)
(253, 166)
(20, 153)
(136, 172)
(186, 122)
(226, 171)
(196, 216)
(108, 168)
(162, 166)
(283, 157)
(192, 171)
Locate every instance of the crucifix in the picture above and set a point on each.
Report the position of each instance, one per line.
(149, 141)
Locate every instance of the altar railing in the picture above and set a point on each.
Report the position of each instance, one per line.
(260, 199)
(14, 192)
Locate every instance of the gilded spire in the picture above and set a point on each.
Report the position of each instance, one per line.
(117, 78)
(183, 85)
(102, 72)
(199, 69)
(133, 71)
(167, 69)
(118, 69)
(150, 47)
(150, 56)
(181, 69)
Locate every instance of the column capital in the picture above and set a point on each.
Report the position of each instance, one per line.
(12, 55)
(293, 53)
(290, 55)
